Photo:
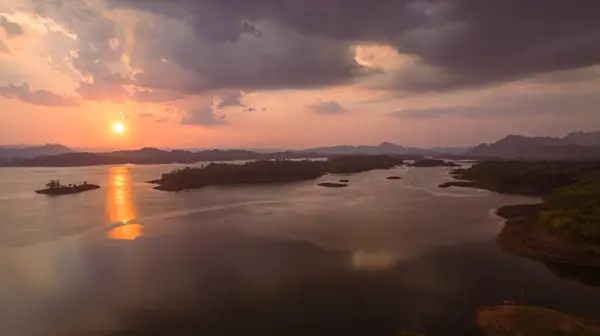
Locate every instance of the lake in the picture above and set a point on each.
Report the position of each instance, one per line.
(376, 258)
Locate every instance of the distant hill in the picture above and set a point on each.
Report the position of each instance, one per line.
(147, 156)
(574, 146)
(11, 152)
(385, 148)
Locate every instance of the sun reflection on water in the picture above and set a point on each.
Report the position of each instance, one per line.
(362, 260)
(120, 205)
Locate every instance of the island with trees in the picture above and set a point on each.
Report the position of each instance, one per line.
(271, 171)
(349, 164)
(55, 188)
(332, 185)
(434, 163)
(565, 227)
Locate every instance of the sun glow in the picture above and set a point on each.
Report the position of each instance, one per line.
(118, 127)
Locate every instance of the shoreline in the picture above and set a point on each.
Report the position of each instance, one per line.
(523, 236)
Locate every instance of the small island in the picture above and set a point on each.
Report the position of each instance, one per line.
(55, 188)
(344, 181)
(271, 171)
(511, 320)
(434, 163)
(332, 185)
(393, 178)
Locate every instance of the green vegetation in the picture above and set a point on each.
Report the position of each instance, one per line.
(574, 209)
(272, 171)
(532, 321)
(527, 233)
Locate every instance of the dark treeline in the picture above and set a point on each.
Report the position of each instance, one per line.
(525, 177)
(271, 171)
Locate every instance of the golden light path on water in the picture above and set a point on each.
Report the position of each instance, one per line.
(120, 205)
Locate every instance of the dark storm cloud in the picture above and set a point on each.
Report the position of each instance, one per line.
(37, 97)
(327, 107)
(337, 19)
(279, 58)
(466, 42)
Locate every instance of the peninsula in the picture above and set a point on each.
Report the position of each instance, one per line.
(524, 177)
(565, 227)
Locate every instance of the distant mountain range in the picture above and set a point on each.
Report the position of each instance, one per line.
(386, 148)
(12, 152)
(574, 146)
(156, 156)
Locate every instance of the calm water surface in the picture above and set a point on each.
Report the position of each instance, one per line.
(376, 258)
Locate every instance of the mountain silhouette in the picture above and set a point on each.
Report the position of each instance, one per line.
(11, 152)
(574, 146)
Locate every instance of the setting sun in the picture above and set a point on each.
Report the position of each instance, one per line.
(118, 127)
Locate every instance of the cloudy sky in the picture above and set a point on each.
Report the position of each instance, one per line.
(296, 73)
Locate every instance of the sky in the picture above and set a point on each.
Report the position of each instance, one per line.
(296, 73)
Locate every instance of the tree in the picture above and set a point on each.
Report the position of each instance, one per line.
(53, 184)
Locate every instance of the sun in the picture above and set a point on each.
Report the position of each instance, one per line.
(118, 127)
